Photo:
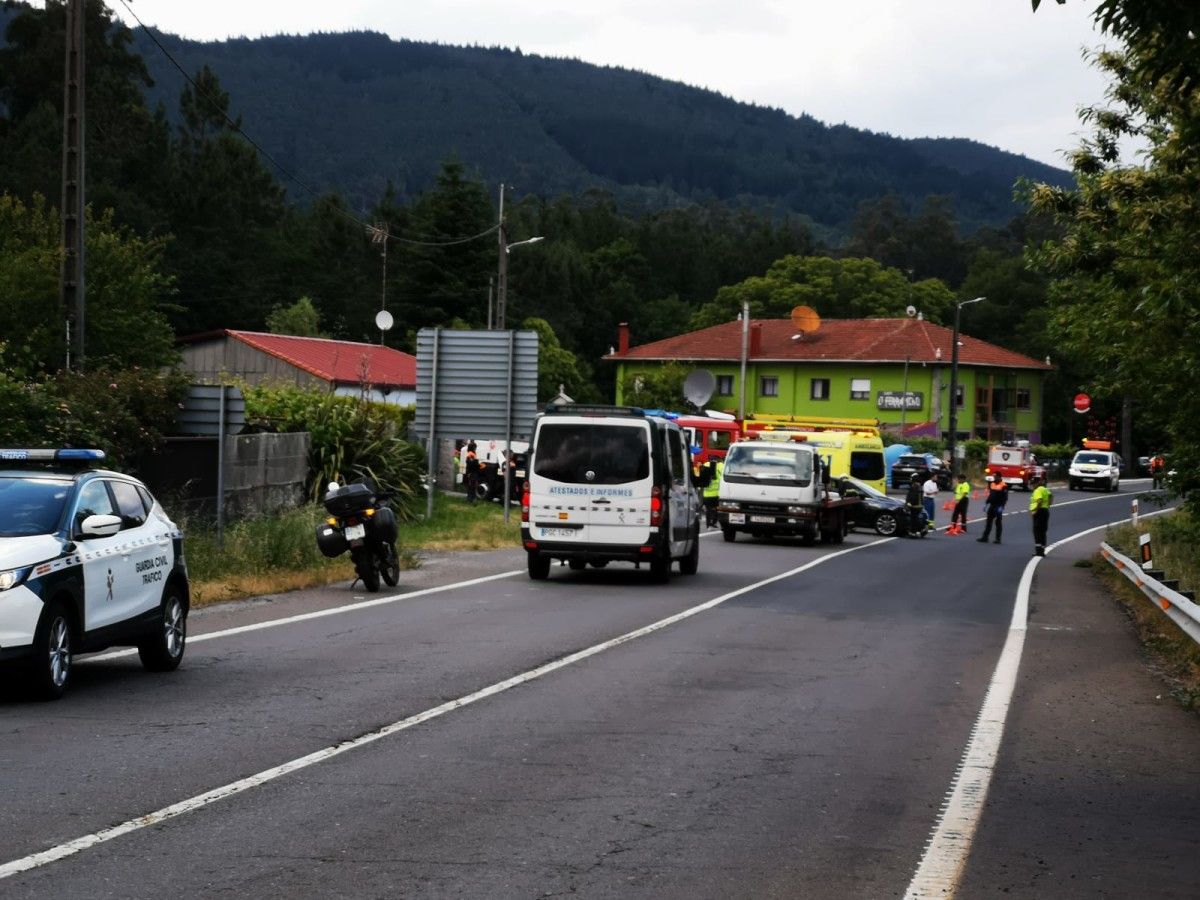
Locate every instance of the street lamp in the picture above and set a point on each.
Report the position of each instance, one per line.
(954, 383)
(502, 277)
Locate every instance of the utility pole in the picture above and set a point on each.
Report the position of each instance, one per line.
(379, 235)
(71, 282)
(491, 295)
(954, 467)
(502, 273)
(745, 352)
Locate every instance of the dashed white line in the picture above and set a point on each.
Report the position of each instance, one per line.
(70, 848)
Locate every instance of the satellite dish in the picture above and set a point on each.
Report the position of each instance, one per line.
(805, 319)
(383, 320)
(698, 387)
(910, 310)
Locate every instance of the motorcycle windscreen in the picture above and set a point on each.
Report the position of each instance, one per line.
(591, 482)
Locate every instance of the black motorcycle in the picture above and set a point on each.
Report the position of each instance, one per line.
(361, 521)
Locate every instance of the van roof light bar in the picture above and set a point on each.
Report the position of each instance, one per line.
(593, 409)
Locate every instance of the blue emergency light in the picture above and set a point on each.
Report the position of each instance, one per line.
(63, 455)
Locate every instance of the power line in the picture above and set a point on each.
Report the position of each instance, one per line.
(234, 126)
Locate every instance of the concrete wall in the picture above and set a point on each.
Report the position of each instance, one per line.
(264, 473)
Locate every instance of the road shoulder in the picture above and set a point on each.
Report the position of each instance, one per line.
(1099, 765)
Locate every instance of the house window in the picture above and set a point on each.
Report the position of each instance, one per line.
(725, 385)
(768, 386)
(960, 395)
(819, 389)
(860, 388)
(981, 396)
(1023, 399)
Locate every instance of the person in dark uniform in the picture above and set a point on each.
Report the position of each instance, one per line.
(914, 500)
(471, 472)
(993, 505)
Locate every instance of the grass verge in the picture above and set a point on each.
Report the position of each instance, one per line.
(1175, 539)
(279, 553)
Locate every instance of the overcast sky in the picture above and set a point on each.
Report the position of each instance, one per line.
(984, 69)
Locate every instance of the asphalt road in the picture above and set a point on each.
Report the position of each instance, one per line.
(796, 739)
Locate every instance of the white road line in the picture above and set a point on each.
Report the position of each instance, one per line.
(200, 801)
(318, 614)
(945, 856)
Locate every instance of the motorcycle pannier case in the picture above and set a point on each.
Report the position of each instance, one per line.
(383, 524)
(330, 541)
(349, 499)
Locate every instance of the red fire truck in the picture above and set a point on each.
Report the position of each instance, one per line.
(1015, 463)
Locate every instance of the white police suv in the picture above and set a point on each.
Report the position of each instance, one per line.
(88, 559)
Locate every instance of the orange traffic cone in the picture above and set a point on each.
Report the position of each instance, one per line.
(948, 506)
(954, 528)
(974, 495)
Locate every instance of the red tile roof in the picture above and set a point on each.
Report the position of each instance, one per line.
(838, 340)
(340, 362)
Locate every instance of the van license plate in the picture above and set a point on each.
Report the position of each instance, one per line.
(768, 519)
(737, 519)
(355, 532)
(558, 532)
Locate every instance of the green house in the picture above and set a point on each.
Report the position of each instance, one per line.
(893, 370)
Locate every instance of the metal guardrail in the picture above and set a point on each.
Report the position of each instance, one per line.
(1182, 611)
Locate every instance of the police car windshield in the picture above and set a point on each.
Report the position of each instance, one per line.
(31, 505)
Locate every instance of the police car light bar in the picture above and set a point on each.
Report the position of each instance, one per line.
(66, 454)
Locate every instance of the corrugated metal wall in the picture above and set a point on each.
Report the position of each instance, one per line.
(473, 381)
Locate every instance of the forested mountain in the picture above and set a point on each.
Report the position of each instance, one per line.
(351, 112)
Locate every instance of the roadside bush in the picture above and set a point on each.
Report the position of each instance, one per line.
(124, 412)
(350, 438)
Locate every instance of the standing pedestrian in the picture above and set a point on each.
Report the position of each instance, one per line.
(1158, 465)
(962, 497)
(993, 505)
(471, 472)
(712, 492)
(1039, 509)
(929, 497)
(918, 521)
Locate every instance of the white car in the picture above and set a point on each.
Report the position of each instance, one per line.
(88, 559)
(1094, 468)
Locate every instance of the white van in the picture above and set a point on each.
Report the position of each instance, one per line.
(609, 483)
(1094, 468)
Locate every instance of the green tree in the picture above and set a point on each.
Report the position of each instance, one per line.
(1126, 290)
(126, 143)
(226, 213)
(301, 319)
(661, 388)
(442, 274)
(558, 366)
(128, 296)
(835, 288)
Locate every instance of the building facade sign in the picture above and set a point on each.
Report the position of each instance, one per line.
(900, 400)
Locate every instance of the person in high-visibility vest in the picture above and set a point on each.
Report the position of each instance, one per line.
(1039, 509)
(962, 497)
(712, 491)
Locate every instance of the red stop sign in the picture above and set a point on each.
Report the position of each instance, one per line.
(1082, 403)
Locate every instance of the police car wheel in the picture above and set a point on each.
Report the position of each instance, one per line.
(52, 653)
(162, 650)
